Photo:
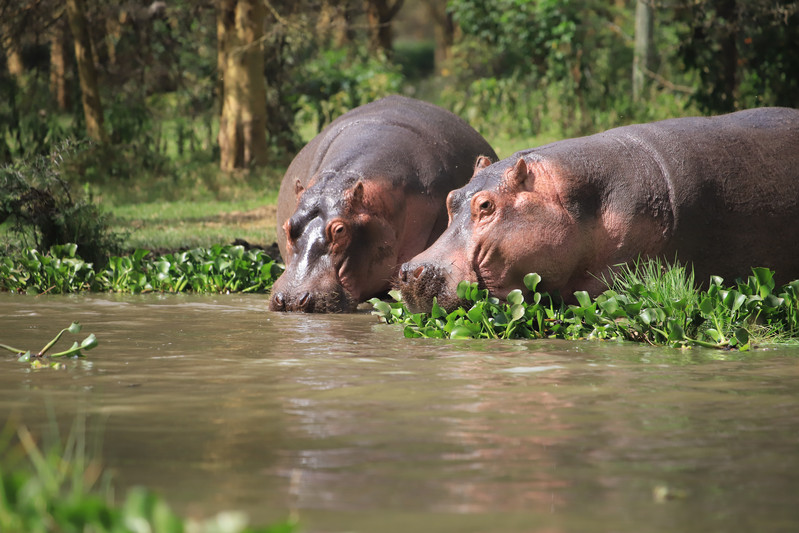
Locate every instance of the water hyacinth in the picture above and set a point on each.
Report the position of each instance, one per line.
(649, 302)
(218, 269)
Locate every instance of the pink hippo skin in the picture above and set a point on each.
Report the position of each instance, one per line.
(363, 196)
(719, 193)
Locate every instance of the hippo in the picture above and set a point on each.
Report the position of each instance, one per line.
(720, 194)
(365, 195)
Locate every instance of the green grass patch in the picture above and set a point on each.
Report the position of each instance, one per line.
(648, 302)
(190, 224)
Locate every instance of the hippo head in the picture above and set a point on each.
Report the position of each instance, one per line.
(341, 248)
(509, 220)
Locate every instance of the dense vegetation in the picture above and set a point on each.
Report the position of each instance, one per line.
(649, 302)
(220, 269)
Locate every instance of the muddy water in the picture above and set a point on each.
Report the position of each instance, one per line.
(219, 404)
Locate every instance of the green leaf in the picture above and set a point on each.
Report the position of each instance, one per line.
(89, 342)
(742, 336)
(531, 281)
(515, 297)
(706, 306)
(460, 332)
(713, 334)
(582, 298)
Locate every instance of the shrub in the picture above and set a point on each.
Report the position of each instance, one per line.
(39, 208)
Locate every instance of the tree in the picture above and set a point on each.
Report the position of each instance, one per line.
(379, 14)
(9, 38)
(745, 54)
(59, 64)
(242, 122)
(642, 58)
(90, 93)
(444, 30)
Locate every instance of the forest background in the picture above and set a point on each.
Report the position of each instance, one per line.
(168, 124)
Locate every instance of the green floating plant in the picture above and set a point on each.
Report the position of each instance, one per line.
(649, 302)
(76, 350)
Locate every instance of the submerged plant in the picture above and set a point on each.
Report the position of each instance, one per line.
(76, 350)
(650, 302)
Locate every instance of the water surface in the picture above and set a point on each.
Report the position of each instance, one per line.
(219, 404)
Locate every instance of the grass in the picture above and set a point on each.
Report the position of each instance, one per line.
(62, 488)
(185, 224)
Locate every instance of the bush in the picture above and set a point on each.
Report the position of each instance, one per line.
(38, 207)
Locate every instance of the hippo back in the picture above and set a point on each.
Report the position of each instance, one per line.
(416, 146)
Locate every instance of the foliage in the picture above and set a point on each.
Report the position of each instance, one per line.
(76, 350)
(540, 63)
(215, 269)
(43, 211)
(649, 302)
(746, 54)
(61, 489)
(337, 80)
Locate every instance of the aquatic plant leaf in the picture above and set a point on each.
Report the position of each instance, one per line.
(531, 281)
(515, 297)
(713, 334)
(460, 332)
(89, 342)
(582, 298)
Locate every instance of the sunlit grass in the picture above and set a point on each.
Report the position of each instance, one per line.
(185, 224)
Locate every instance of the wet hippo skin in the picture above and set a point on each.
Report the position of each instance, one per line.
(720, 193)
(363, 196)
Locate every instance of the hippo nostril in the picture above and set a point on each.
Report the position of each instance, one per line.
(418, 272)
(305, 301)
(279, 302)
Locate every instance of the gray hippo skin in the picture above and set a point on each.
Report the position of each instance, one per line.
(365, 195)
(719, 193)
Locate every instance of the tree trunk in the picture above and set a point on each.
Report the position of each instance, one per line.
(332, 24)
(59, 64)
(90, 94)
(729, 54)
(642, 55)
(242, 123)
(13, 51)
(379, 14)
(444, 30)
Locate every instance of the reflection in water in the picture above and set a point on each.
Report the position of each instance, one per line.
(220, 404)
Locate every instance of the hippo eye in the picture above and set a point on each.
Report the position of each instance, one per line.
(336, 230)
(482, 206)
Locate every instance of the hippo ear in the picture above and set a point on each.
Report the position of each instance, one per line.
(518, 175)
(481, 163)
(298, 189)
(354, 197)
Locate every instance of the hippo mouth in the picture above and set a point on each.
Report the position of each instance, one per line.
(333, 300)
(420, 284)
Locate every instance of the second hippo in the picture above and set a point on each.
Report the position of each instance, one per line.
(721, 194)
(363, 196)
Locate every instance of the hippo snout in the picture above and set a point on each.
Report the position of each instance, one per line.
(332, 301)
(419, 283)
